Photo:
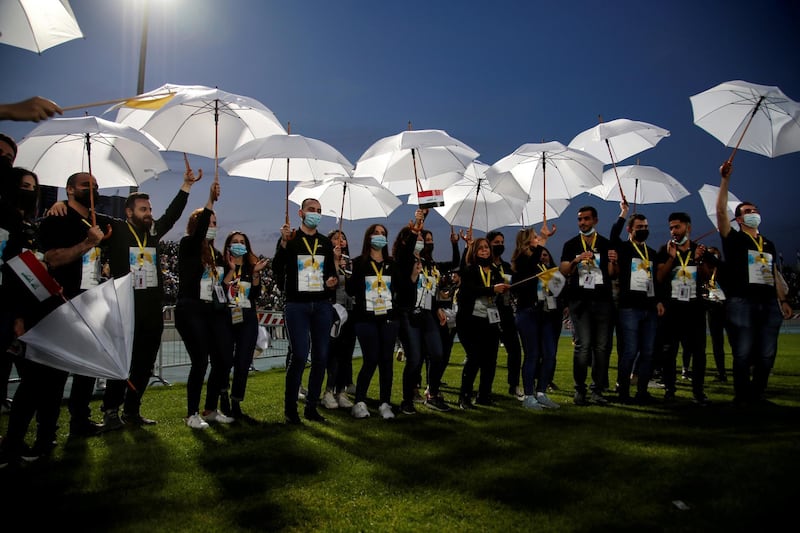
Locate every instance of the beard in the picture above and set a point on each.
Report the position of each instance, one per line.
(144, 223)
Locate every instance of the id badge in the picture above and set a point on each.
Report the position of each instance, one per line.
(139, 279)
(550, 302)
(427, 301)
(379, 306)
(650, 290)
(588, 280)
(684, 292)
(493, 315)
(237, 317)
(219, 292)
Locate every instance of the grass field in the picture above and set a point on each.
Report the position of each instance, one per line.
(502, 468)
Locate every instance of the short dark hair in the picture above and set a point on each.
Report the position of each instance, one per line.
(130, 201)
(738, 211)
(9, 141)
(680, 216)
(589, 208)
(634, 217)
(494, 233)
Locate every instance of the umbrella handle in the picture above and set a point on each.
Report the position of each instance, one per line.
(741, 137)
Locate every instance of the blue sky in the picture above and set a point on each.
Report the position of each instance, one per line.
(492, 74)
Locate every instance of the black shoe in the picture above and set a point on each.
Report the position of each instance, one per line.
(552, 387)
(85, 428)
(669, 396)
(407, 408)
(137, 420)
(225, 403)
(465, 402)
(701, 400)
(580, 398)
(484, 400)
(112, 421)
(645, 398)
(40, 449)
(293, 418)
(312, 414)
(437, 403)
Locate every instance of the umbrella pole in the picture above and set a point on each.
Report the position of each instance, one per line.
(341, 212)
(288, 132)
(91, 178)
(614, 164)
(544, 191)
(752, 115)
(475, 205)
(216, 140)
(635, 192)
(704, 235)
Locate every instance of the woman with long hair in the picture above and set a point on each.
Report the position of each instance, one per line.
(242, 282)
(202, 316)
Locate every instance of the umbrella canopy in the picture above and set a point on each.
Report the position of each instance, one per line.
(348, 197)
(135, 112)
(117, 155)
(617, 140)
(90, 335)
(208, 122)
(472, 203)
(416, 160)
(756, 118)
(708, 195)
(646, 185)
(37, 25)
(540, 210)
(549, 170)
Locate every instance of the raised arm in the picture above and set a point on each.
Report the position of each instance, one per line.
(723, 224)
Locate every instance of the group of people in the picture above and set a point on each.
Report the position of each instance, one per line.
(655, 300)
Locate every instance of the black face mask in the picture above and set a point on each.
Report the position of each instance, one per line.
(497, 250)
(484, 261)
(641, 235)
(427, 249)
(26, 200)
(82, 197)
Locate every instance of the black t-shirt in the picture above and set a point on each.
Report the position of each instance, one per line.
(633, 278)
(190, 258)
(683, 271)
(576, 290)
(365, 276)
(57, 232)
(301, 261)
(744, 263)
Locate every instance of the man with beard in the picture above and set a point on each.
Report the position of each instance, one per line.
(71, 245)
(132, 249)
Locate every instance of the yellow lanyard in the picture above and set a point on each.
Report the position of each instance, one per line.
(141, 244)
(379, 274)
(485, 276)
(645, 257)
(213, 268)
(711, 282)
(683, 273)
(312, 252)
(237, 276)
(594, 241)
(760, 247)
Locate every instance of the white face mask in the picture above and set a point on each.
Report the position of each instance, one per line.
(682, 241)
(751, 220)
(211, 234)
(418, 246)
(587, 233)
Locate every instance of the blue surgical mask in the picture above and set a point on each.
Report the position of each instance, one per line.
(311, 219)
(378, 242)
(211, 234)
(682, 241)
(751, 220)
(418, 246)
(238, 249)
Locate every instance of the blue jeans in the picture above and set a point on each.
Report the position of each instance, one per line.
(245, 335)
(307, 323)
(417, 330)
(593, 323)
(377, 340)
(753, 335)
(539, 335)
(639, 327)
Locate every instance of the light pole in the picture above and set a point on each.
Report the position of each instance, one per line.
(142, 60)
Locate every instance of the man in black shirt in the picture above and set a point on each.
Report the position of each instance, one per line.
(756, 304)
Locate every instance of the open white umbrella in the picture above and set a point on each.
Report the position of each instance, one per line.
(287, 157)
(37, 25)
(708, 195)
(472, 203)
(416, 160)
(756, 118)
(646, 185)
(614, 141)
(90, 334)
(540, 210)
(348, 197)
(115, 154)
(208, 122)
(549, 170)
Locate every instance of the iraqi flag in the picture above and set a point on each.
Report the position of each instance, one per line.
(34, 275)
(428, 199)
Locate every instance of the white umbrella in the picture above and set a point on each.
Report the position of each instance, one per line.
(647, 185)
(472, 203)
(209, 122)
(135, 112)
(288, 157)
(708, 195)
(540, 210)
(115, 154)
(416, 160)
(90, 334)
(756, 118)
(348, 197)
(37, 25)
(614, 141)
(550, 169)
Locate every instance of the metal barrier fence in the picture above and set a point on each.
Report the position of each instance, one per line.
(172, 352)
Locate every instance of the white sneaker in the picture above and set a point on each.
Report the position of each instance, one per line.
(218, 417)
(301, 393)
(546, 402)
(329, 401)
(196, 422)
(386, 411)
(344, 401)
(360, 410)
